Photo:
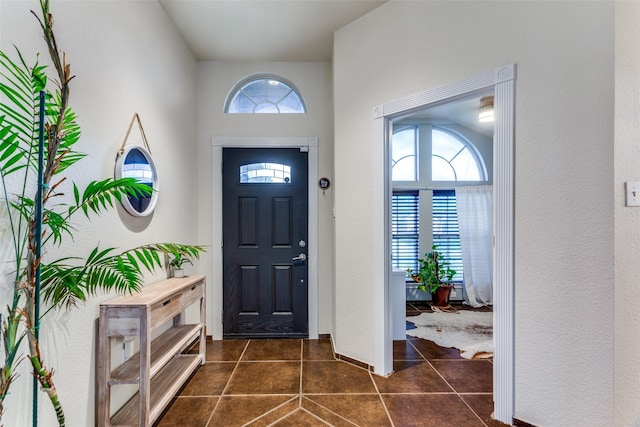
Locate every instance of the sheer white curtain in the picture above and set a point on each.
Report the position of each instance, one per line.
(474, 205)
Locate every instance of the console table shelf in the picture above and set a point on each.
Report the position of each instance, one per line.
(163, 387)
(162, 365)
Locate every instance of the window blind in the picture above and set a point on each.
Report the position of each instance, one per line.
(405, 230)
(446, 234)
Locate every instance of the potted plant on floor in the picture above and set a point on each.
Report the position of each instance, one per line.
(434, 276)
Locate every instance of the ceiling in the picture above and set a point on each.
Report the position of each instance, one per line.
(289, 31)
(462, 111)
(263, 30)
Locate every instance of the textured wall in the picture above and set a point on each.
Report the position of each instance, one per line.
(627, 219)
(564, 178)
(126, 58)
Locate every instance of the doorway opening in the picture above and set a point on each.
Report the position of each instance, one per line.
(502, 80)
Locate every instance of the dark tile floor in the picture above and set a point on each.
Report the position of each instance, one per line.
(300, 383)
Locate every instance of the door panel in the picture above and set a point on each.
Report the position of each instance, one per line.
(283, 227)
(265, 291)
(248, 222)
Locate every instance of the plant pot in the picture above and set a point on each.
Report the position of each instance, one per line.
(440, 297)
(178, 272)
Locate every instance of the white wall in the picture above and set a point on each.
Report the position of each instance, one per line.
(627, 219)
(127, 58)
(313, 80)
(564, 178)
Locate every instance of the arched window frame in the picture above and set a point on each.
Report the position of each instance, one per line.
(482, 168)
(424, 149)
(238, 88)
(412, 157)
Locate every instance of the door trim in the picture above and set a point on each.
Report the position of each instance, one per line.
(304, 143)
(502, 79)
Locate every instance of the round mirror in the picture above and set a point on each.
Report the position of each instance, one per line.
(136, 162)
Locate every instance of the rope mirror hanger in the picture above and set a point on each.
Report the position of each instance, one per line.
(135, 161)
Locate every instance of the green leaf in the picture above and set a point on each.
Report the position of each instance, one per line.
(8, 146)
(14, 69)
(142, 258)
(13, 161)
(132, 260)
(156, 257)
(76, 193)
(18, 100)
(39, 78)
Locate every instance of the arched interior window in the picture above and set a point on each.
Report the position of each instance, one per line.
(404, 153)
(265, 94)
(452, 159)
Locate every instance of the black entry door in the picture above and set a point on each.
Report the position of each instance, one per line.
(265, 242)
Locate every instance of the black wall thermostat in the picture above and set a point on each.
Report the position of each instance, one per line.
(324, 183)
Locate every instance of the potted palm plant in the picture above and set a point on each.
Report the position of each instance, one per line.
(178, 259)
(434, 276)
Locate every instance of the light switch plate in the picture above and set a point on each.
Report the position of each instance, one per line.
(633, 193)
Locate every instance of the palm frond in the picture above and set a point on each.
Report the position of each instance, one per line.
(10, 149)
(57, 224)
(101, 194)
(17, 71)
(68, 134)
(24, 206)
(67, 284)
(20, 85)
(97, 197)
(60, 284)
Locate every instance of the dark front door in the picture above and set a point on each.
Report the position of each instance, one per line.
(265, 242)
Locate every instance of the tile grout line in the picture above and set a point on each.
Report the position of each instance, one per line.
(304, 406)
(270, 410)
(434, 368)
(228, 381)
(472, 410)
(253, 395)
(302, 396)
(329, 410)
(325, 421)
(301, 370)
(447, 382)
(291, 413)
(384, 405)
(298, 397)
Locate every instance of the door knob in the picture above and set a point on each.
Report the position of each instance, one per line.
(301, 257)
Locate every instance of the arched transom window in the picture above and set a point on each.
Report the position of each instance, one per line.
(453, 158)
(264, 94)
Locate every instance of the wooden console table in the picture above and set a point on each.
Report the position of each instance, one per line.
(162, 365)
